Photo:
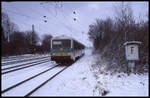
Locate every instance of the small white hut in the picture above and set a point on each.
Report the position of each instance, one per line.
(132, 50)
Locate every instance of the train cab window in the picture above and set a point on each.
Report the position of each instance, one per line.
(61, 44)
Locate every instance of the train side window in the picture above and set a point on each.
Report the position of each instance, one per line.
(77, 45)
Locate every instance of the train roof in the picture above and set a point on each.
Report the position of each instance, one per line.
(66, 37)
(62, 37)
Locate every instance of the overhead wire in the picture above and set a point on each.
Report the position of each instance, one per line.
(60, 21)
(32, 17)
(20, 14)
(29, 17)
(80, 25)
(66, 16)
(68, 21)
(68, 26)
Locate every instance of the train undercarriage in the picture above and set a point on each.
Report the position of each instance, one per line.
(62, 59)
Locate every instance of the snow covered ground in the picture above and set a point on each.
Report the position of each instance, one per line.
(120, 84)
(80, 79)
(123, 85)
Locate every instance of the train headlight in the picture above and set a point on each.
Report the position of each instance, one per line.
(68, 53)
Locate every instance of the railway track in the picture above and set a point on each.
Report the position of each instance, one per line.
(24, 60)
(18, 57)
(33, 79)
(20, 65)
(27, 80)
(43, 61)
(11, 57)
(30, 83)
(38, 87)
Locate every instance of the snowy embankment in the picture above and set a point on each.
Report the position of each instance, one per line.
(123, 85)
(120, 84)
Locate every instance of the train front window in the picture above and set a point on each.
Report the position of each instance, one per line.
(61, 44)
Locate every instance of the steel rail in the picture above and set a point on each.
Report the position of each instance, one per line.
(24, 67)
(21, 65)
(8, 63)
(18, 57)
(31, 92)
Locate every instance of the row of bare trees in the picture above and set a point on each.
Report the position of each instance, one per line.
(15, 42)
(109, 35)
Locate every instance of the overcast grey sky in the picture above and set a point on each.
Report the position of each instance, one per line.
(60, 16)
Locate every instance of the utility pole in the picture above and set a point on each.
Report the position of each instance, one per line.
(32, 31)
(32, 47)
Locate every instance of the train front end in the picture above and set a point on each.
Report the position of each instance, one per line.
(61, 50)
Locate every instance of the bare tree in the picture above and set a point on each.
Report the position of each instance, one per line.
(17, 43)
(100, 33)
(8, 26)
(125, 20)
(32, 39)
(46, 43)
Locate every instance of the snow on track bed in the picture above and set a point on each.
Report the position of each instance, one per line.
(23, 67)
(11, 57)
(17, 57)
(33, 83)
(13, 86)
(22, 63)
(4, 59)
(20, 75)
(23, 60)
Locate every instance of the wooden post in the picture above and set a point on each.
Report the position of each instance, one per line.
(131, 66)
